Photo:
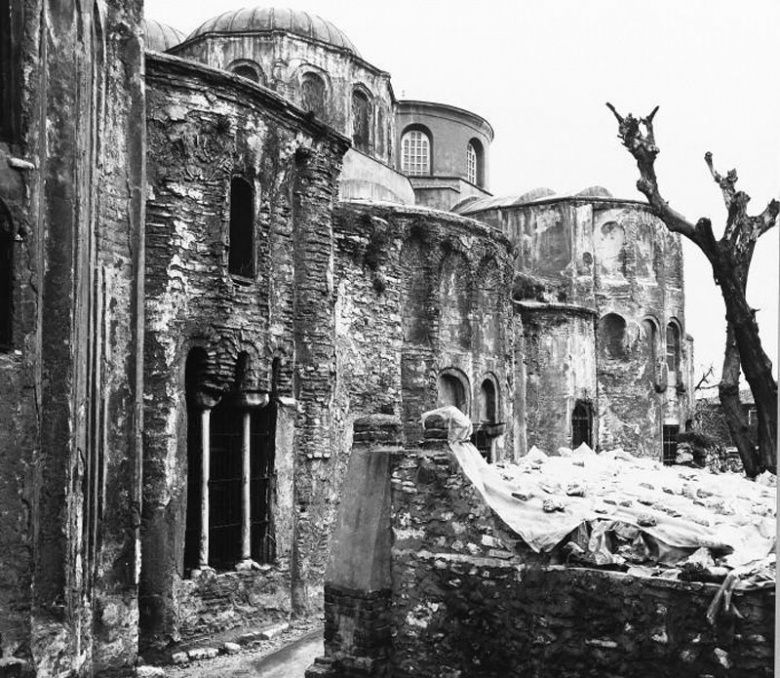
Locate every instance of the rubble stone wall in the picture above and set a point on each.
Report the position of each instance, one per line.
(468, 599)
(205, 127)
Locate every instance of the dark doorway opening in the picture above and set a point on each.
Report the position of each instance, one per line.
(582, 424)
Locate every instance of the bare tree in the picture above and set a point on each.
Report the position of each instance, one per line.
(730, 258)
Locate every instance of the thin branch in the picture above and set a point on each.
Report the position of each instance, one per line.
(705, 378)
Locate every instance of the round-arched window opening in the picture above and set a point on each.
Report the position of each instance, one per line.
(246, 71)
(488, 402)
(313, 94)
(453, 391)
(361, 121)
(416, 153)
(612, 336)
(475, 166)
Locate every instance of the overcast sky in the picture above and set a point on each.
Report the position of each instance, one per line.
(541, 71)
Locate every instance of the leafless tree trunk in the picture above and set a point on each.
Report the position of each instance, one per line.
(730, 258)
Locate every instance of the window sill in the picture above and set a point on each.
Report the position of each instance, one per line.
(242, 280)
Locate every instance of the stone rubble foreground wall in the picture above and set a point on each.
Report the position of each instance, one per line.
(468, 599)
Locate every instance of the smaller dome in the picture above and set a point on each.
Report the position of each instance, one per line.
(270, 19)
(536, 194)
(594, 192)
(160, 37)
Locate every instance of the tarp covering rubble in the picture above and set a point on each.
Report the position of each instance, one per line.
(614, 509)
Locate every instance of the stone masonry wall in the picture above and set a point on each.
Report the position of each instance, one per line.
(420, 292)
(70, 460)
(205, 127)
(469, 600)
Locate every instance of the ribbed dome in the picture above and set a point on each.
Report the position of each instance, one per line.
(161, 37)
(267, 19)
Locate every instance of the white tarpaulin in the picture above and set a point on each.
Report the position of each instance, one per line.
(544, 498)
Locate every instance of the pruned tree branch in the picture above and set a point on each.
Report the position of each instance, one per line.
(705, 378)
(641, 144)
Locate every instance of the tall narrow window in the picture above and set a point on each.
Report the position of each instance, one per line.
(673, 347)
(361, 121)
(241, 257)
(261, 483)
(313, 94)
(194, 378)
(416, 153)
(471, 163)
(6, 277)
(10, 25)
(581, 424)
(670, 444)
(487, 402)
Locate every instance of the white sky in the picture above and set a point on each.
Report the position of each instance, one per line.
(541, 71)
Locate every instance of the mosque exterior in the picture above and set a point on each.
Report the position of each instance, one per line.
(222, 249)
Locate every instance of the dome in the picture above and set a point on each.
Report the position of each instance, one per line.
(594, 192)
(161, 37)
(535, 194)
(268, 19)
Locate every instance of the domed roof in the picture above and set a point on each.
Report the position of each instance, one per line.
(267, 19)
(594, 192)
(159, 36)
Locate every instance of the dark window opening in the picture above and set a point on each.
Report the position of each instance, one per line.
(673, 347)
(261, 483)
(246, 72)
(241, 256)
(6, 278)
(225, 511)
(361, 121)
(313, 94)
(194, 378)
(10, 30)
(487, 402)
(452, 392)
(612, 335)
(581, 425)
(670, 444)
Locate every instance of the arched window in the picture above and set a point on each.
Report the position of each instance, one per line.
(581, 424)
(313, 94)
(6, 277)
(487, 402)
(475, 164)
(471, 163)
(361, 121)
(673, 347)
(246, 71)
(612, 336)
(453, 391)
(241, 257)
(416, 153)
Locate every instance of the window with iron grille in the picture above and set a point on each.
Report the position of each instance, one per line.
(670, 444)
(471, 163)
(416, 153)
